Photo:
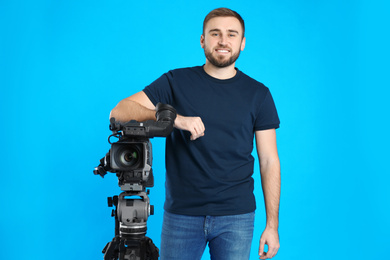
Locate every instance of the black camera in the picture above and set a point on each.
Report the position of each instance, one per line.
(131, 156)
(131, 159)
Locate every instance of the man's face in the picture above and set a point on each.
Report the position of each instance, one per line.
(222, 41)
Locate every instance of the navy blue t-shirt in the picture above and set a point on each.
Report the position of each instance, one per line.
(213, 174)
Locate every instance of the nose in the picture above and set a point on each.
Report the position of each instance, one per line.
(223, 40)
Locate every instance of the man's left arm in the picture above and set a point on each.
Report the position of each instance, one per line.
(270, 179)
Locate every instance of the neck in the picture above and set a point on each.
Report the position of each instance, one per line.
(220, 73)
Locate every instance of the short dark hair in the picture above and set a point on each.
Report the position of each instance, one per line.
(224, 12)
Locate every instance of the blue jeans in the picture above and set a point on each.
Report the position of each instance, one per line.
(185, 237)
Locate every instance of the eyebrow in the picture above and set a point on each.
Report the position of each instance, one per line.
(218, 30)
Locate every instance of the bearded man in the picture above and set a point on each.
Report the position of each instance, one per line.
(209, 166)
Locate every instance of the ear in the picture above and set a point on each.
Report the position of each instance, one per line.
(202, 41)
(243, 43)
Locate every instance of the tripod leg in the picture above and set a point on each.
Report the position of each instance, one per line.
(111, 250)
(153, 252)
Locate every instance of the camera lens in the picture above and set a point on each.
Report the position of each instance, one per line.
(128, 157)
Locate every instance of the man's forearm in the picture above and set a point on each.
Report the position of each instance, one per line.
(127, 110)
(270, 178)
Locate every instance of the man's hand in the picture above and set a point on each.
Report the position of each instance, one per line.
(269, 237)
(191, 124)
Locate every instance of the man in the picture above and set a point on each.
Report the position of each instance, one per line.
(209, 188)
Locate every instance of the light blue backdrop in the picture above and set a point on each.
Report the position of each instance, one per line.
(65, 64)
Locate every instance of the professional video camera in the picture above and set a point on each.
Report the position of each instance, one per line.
(131, 159)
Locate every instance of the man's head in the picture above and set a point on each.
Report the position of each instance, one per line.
(223, 37)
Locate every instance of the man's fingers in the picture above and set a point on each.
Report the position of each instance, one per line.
(199, 126)
(194, 137)
(264, 256)
(192, 124)
(261, 249)
(198, 129)
(272, 251)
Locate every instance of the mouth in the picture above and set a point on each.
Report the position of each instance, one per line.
(222, 51)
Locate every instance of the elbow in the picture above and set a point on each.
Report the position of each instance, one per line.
(271, 165)
(117, 114)
(113, 113)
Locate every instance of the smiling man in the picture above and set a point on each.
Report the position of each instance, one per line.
(209, 166)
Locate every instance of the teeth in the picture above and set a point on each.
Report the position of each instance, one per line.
(222, 51)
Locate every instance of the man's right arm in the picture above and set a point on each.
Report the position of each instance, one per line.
(139, 107)
(136, 107)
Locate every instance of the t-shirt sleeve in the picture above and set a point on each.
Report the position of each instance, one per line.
(160, 90)
(267, 117)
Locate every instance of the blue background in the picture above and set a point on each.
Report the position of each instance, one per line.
(65, 64)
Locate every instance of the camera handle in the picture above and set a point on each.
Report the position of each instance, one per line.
(162, 127)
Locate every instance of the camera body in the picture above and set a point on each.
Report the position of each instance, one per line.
(131, 156)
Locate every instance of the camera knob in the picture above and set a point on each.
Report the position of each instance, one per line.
(109, 201)
(112, 201)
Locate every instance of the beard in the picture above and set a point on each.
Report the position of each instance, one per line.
(220, 61)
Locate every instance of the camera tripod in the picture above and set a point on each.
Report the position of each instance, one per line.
(130, 242)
